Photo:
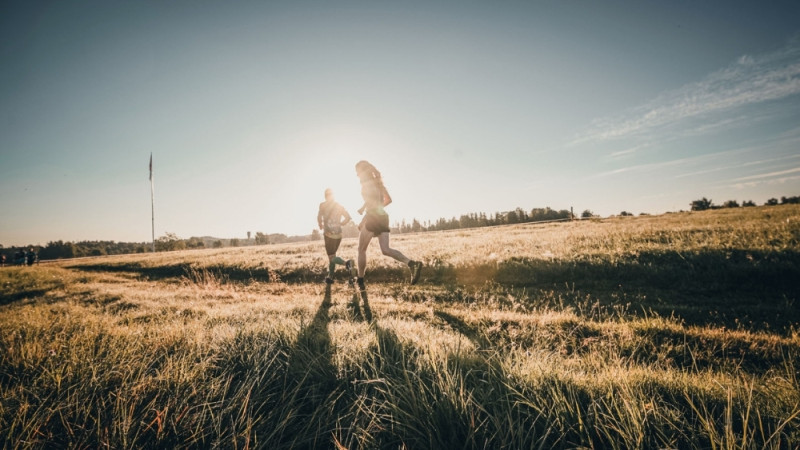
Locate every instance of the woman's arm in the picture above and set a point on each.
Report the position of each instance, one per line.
(386, 197)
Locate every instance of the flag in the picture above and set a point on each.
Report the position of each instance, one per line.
(151, 167)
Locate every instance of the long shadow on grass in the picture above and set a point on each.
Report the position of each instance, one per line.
(278, 393)
(233, 273)
(466, 401)
(732, 288)
(180, 271)
(27, 294)
(359, 307)
(312, 377)
(458, 324)
(698, 351)
(479, 404)
(704, 272)
(26, 284)
(710, 272)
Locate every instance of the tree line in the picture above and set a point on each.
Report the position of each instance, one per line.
(61, 249)
(170, 241)
(476, 220)
(705, 204)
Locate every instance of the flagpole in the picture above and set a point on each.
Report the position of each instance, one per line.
(152, 204)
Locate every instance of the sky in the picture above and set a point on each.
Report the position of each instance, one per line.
(252, 109)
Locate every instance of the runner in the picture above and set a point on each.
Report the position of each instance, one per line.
(376, 222)
(330, 218)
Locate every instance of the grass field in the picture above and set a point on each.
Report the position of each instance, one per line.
(673, 331)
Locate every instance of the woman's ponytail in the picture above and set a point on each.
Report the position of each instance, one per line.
(367, 168)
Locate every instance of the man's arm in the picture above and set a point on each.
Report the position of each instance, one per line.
(346, 217)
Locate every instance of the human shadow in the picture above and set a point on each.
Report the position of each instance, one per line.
(311, 354)
(359, 307)
(459, 325)
(427, 409)
(311, 378)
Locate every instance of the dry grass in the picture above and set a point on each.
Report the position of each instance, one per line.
(620, 333)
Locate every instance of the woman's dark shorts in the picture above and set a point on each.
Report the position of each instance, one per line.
(332, 245)
(375, 223)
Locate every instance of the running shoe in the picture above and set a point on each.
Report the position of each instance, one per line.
(328, 280)
(350, 265)
(360, 283)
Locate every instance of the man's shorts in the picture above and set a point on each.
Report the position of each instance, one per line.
(332, 245)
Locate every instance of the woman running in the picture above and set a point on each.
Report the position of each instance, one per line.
(376, 222)
(331, 218)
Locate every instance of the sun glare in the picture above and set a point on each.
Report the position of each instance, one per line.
(326, 158)
(330, 165)
(336, 173)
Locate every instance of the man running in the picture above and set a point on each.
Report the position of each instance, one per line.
(331, 218)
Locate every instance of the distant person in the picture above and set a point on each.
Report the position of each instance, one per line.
(376, 222)
(30, 256)
(19, 257)
(331, 218)
(2, 259)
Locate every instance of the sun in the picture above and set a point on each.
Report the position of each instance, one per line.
(328, 169)
(337, 174)
(326, 158)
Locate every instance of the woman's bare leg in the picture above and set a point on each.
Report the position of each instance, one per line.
(363, 242)
(383, 239)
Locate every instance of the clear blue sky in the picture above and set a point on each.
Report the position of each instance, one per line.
(252, 109)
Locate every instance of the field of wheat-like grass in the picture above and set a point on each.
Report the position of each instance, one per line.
(673, 331)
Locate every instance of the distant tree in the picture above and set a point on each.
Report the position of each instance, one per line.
(217, 244)
(58, 249)
(278, 238)
(467, 221)
(315, 236)
(748, 203)
(790, 200)
(512, 217)
(169, 242)
(195, 242)
(730, 204)
(235, 242)
(248, 235)
(701, 205)
(261, 238)
(772, 202)
(587, 214)
(625, 214)
(522, 215)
